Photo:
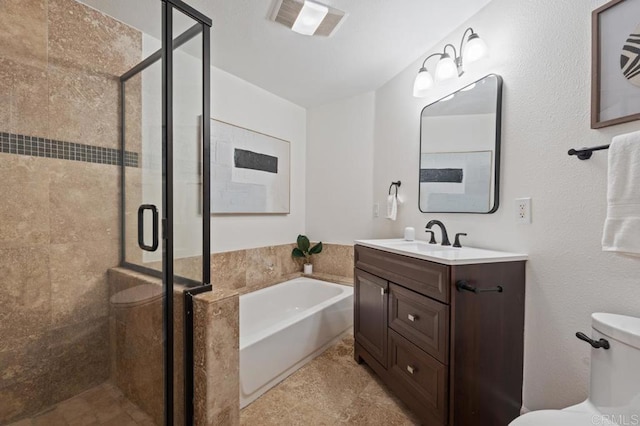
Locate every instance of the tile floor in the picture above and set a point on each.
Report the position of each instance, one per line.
(102, 405)
(330, 390)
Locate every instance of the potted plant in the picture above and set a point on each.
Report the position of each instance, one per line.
(305, 250)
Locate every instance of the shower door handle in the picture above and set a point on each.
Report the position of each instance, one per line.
(154, 242)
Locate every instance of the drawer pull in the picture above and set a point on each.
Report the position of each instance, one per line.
(410, 369)
(412, 318)
(464, 285)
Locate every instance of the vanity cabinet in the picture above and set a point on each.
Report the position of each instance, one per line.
(370, 323)
(452, 354)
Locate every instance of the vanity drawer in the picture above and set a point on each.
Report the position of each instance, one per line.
(423, 321)
(420, 374)
(427, 278)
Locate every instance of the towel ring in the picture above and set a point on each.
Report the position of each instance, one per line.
(397, 185)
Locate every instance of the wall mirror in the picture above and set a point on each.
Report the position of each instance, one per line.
(460, 150)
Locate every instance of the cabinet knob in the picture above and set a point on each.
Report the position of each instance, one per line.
(412, 318)
(410, 369)
(383, 291)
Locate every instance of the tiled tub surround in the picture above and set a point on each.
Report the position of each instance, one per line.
(134, 330)
(59, 232)
(137, 353)
(216, 337)
(255, 268)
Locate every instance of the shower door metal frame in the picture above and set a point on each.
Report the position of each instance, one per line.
(165, 54)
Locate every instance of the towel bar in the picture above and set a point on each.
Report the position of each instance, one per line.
(585, 153)
(397, 185)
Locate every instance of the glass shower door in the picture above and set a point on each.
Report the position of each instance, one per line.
(165, 209)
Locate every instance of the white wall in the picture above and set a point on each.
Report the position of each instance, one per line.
(234, 101)
(339, 170)
(542, 50)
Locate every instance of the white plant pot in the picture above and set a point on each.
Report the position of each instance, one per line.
(308, 268)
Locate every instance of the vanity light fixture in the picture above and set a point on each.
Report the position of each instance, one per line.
(450, 67)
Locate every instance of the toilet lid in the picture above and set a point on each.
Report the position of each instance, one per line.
(560, 418)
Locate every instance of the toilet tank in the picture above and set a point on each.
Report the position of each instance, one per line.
(615, 372)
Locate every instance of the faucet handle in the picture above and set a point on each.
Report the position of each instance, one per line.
(433, 236)
(456, 242)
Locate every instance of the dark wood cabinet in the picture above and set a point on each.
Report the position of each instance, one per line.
(454, 356)
(370, 322)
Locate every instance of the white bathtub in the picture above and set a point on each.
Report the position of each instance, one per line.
(285, 326)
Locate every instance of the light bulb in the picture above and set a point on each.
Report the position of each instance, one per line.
(446, 68)
(475, 49)
(422, 84)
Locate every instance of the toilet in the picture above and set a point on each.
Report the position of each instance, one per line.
(614, 389)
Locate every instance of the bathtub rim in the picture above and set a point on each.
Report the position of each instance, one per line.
(346, 291)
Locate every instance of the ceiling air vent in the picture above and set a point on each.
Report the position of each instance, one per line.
(287, 12)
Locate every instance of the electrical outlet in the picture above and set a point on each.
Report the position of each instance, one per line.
(523, 210)
(376, 209)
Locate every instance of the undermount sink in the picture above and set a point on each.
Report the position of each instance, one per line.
(447, 255)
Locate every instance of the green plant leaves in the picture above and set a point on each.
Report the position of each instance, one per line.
(316, 249)
(297, 253)
(303, 243)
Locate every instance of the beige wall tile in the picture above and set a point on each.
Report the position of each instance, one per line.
(229, 269)
(83, 107)
(83, 38)
(79, 287)
(84, 203)
(24, 360)
(133, 200)
(29, 104)
(335, 259)
(79, 358)
(29, 396)
(25, 201)
(23, 31)
(288, 264)
(216, 347)
(133, 114)
(25, 294)
(6, 89)
(262, 266)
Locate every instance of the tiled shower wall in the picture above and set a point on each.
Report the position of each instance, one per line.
(59, 232)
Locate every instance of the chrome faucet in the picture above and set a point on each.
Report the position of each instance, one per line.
(445, 237)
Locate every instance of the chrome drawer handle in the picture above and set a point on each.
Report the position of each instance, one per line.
(412, 318)
(410, 369)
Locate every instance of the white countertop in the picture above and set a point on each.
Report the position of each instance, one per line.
(446, 255)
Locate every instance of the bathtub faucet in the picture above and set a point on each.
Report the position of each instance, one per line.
(445, 237)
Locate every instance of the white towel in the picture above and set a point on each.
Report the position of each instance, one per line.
(392, 207)
(622, 226)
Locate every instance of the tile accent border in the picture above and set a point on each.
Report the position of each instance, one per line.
(11, 143)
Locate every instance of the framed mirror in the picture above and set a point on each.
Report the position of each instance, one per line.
(460, 150)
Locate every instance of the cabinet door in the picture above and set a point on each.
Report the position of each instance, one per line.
(371, 313)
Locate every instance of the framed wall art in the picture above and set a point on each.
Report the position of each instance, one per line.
(615, 85)
(249, 171)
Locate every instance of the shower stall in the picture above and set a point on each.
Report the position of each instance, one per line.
(165, 200)
(116, 180)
